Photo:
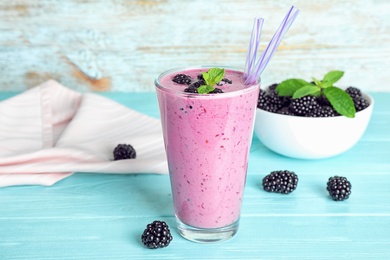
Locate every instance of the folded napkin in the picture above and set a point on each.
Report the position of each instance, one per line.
(49, 132)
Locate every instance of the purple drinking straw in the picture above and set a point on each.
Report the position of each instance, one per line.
(255, 73)
(253, 46)
(285, 26)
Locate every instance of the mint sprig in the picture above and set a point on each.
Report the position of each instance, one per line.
(340, 101)
(211, 77)
(288, 87)
(331, 77)
(338, 98)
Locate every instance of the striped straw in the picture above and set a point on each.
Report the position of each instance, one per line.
(253, 46)
(254, 72)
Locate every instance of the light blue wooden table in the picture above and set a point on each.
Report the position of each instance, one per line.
(95, 216)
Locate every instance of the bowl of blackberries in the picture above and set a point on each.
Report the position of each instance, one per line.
(312, 120)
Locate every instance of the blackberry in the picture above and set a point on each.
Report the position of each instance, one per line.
(228, 81)
(285, 112)
(124, 151)
(339, 188)
(353, 92)
(275, 101)
(269, 102)
(182, 79)
(280, 182)
(322, 111)
(197, 84)
(156, 235)
(272, 88)
(191, 90)
(323, 101)
(360, 103)
(282, 101)
(262, 101)
(216, 91)
(302, 106)
(265, 102)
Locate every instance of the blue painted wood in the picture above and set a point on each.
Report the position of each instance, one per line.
(95, 216)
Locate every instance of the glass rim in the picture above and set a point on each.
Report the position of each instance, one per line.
(205, 96)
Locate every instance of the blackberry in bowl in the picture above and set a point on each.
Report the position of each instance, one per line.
(311, 126)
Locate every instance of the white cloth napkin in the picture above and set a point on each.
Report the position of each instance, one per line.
(49, 132)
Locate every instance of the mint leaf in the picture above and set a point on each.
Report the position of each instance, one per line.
(205, 89)
(340, 101)
(317, 82)
(288, 87)
(307, 90)
(213, 76)
(206, 77)
(332, 77)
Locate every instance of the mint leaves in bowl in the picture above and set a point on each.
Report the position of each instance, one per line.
(312, 120)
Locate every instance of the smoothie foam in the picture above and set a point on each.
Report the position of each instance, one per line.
(207, 140)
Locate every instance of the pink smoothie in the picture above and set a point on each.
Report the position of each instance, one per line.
(207, 140)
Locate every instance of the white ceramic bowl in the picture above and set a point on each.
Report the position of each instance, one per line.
(309, 137)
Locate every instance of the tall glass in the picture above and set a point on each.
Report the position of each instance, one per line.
(207, 140)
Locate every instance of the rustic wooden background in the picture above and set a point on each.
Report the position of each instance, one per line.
(122, 45)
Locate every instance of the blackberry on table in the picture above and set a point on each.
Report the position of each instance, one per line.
(280, 182)
(302, 106)
(156, 235)
(339, 188)
(124, 151)
(182, 79)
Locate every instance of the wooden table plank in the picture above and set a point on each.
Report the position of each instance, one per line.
(123, 45)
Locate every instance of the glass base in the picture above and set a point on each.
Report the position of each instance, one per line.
(207, 235)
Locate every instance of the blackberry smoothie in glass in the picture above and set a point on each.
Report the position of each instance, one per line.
(207, 140)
